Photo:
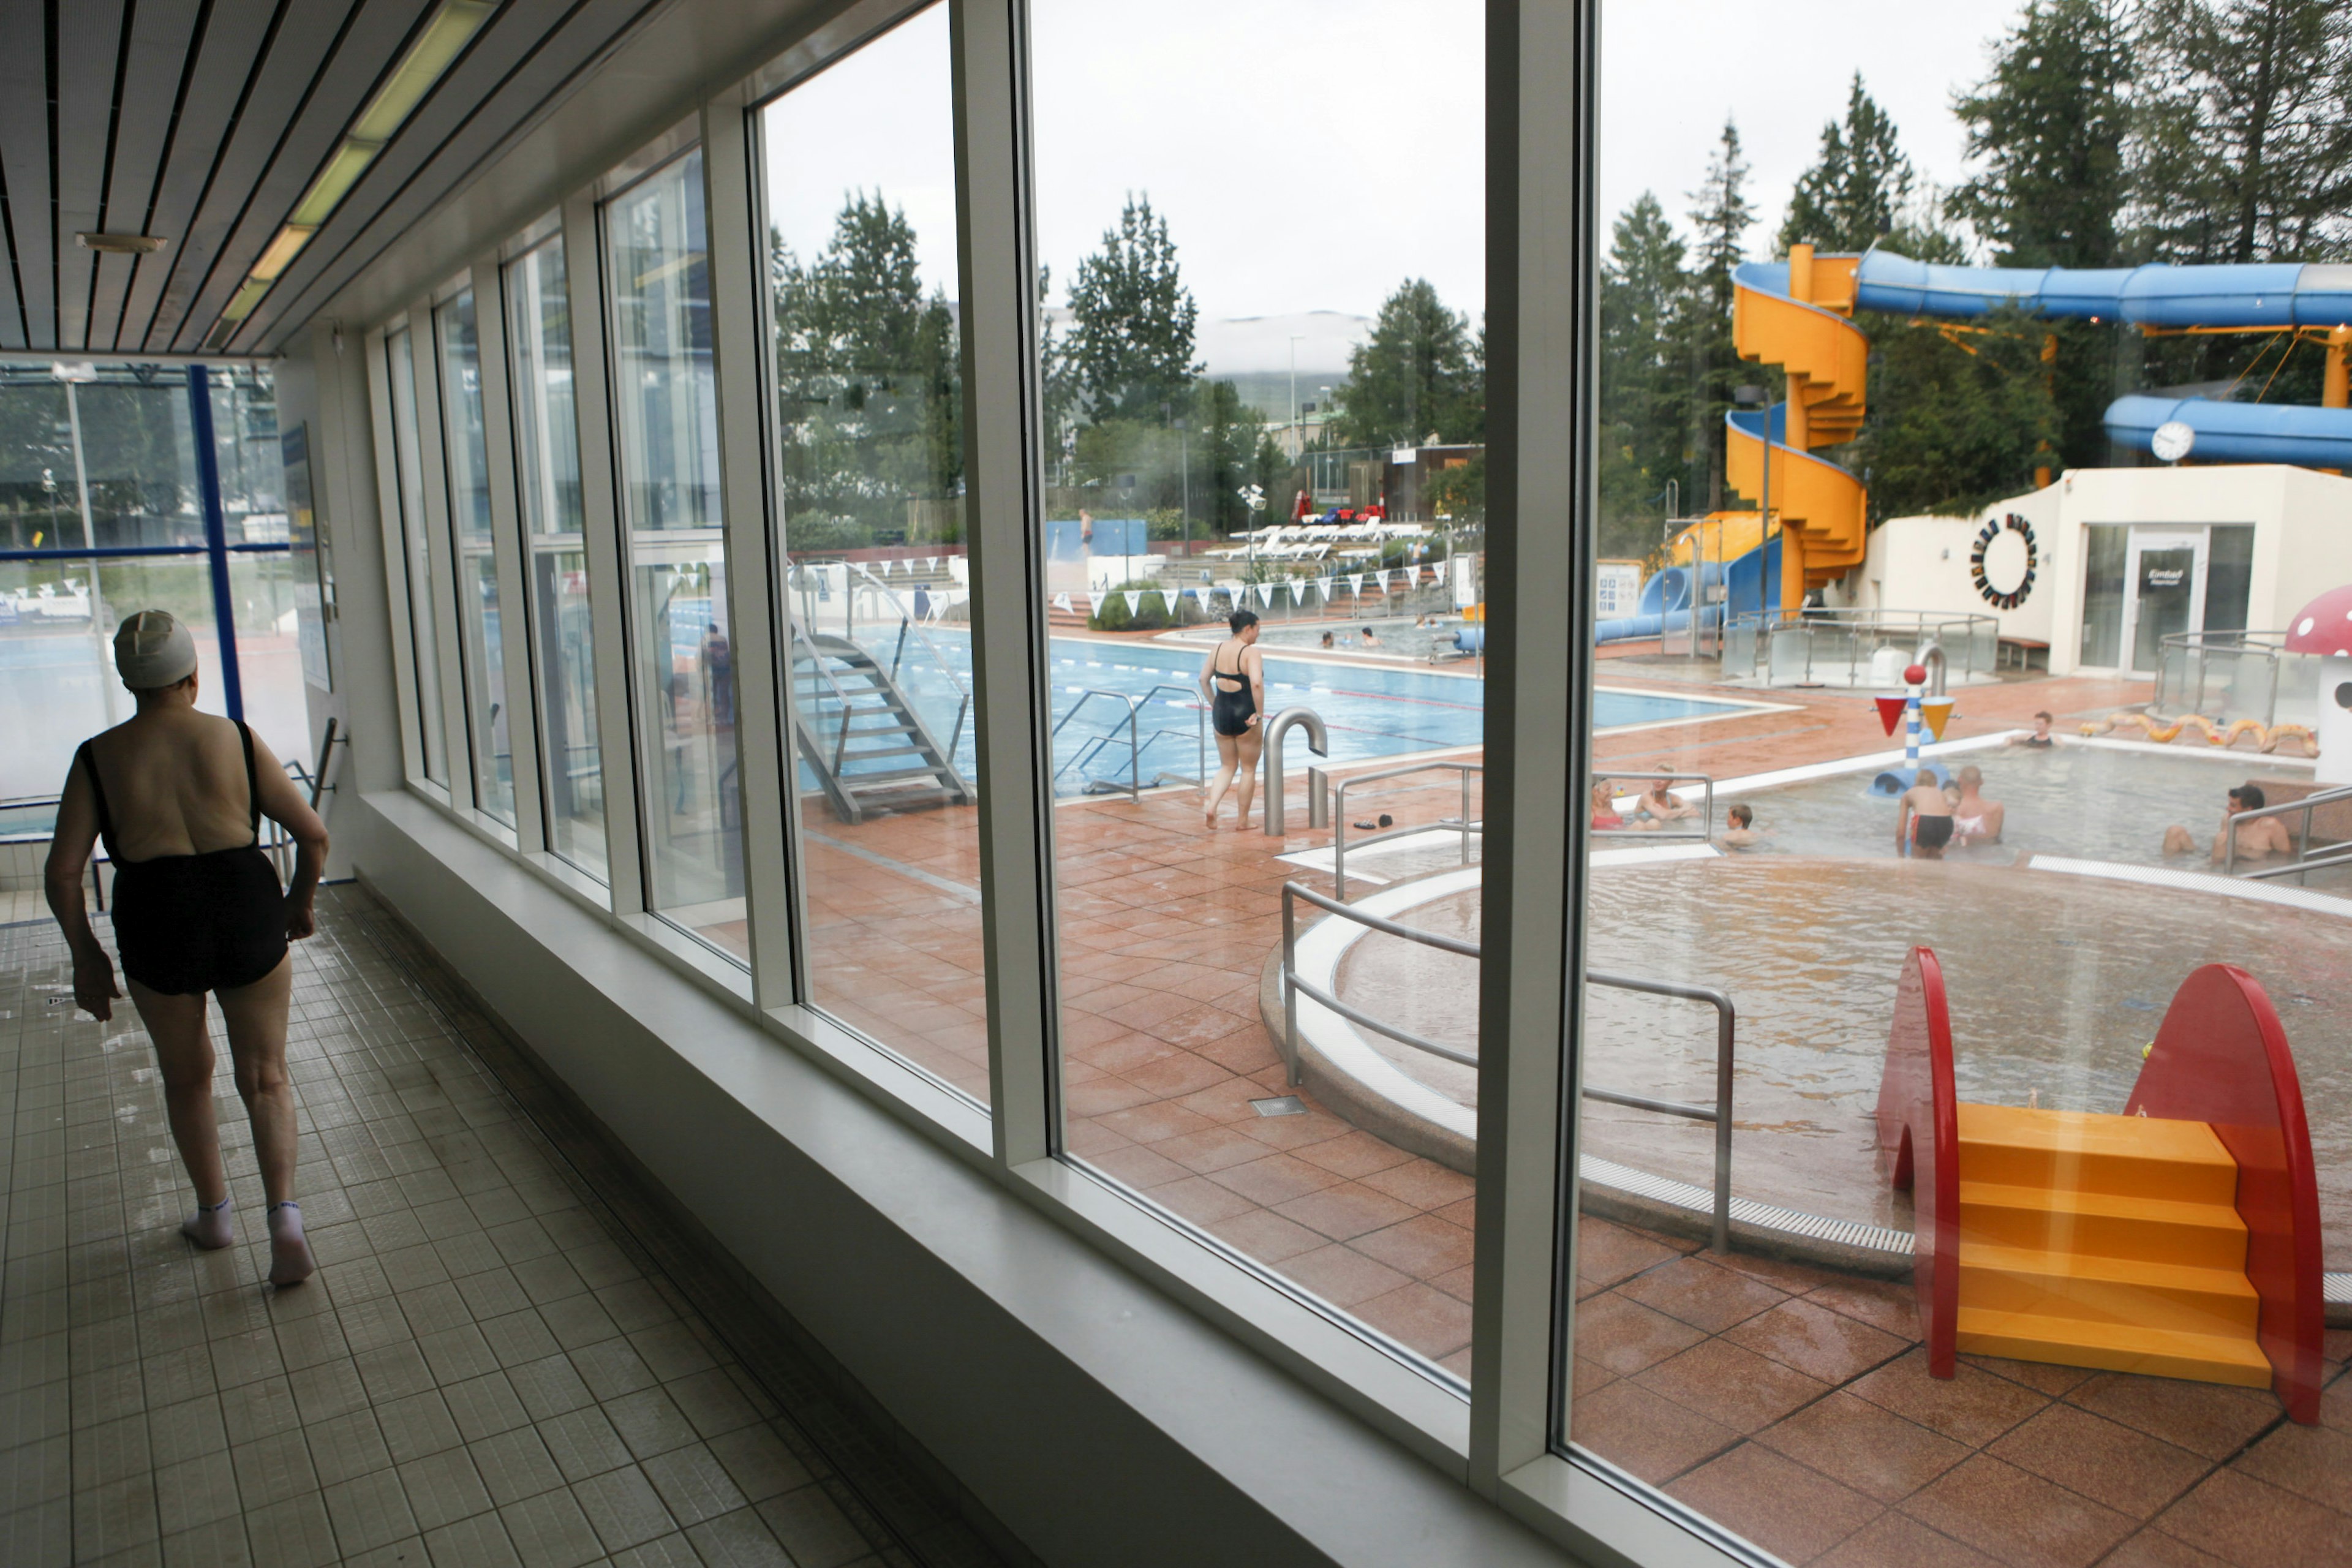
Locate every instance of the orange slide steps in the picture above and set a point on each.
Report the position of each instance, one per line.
(2104, 1241)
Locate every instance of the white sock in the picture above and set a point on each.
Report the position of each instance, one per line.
(290, 1255)
(212, 1227)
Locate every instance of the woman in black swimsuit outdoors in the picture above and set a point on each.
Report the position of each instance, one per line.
(179, 796)
(1234, 682)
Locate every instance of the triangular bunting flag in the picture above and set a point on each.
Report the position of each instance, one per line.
(1134, 602)
(1266, 594)
(1168, 602)
(1356, 584)
(1091, 602)
(931, 563)
(1061, 602)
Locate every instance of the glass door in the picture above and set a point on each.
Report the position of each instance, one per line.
(2164, 589)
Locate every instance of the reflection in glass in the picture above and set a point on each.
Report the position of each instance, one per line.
(478, 571)
(1181, 293)
(664, 414)
(424, 638)
(1994, 1258)
(863, 245)
(547, 457)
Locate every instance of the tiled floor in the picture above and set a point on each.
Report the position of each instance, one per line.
(497, 1363)
(1794, 1406)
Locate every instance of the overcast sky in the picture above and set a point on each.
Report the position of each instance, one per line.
(1309, 154)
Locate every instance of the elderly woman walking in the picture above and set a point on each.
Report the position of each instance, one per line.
(179, 796)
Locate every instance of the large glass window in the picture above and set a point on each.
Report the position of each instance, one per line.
(863, 259)
(479, 655)
(400, 363)
(658, 273)
(1247, 418)
(547, 459)
(1979, 1036)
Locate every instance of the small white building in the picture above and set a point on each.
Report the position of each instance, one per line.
(2104, 563)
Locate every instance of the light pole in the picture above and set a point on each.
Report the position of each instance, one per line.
(1299, 441)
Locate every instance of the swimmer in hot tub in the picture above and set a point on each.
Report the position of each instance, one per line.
(1975, 819)
(1741, 833)
(1924, 801)
(2260, 839)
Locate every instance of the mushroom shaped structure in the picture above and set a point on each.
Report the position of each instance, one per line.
(2323, 627)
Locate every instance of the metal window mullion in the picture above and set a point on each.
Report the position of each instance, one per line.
(996, 264)
(394, 535)
(1538, 721)
(507, 550)
(441, 549)
(736, 279)
(600, 541)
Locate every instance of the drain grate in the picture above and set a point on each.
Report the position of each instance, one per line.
(1280, 1105)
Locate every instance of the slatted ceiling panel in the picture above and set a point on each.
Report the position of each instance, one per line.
(415, 175)
(153, 71)
(225, 57)
(12, 319)
(368, 50)
(25, 160)
(89, 52)
(306, 37)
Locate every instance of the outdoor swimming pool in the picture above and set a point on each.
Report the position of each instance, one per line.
(1371, 711)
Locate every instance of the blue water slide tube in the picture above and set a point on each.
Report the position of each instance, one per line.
(1754, 581)
(2239, 432)
(2253, 294)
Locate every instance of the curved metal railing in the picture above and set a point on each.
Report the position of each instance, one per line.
(1465, 824)
(1727, 1025)
(2334, 853)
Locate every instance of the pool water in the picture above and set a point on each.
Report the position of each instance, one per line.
(2056, 981)
(1369, 711)
(2091, 802)
(1400, 638)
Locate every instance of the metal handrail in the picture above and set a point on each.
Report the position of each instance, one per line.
(1726, 1026)
(1135, 705)
(908, 622)
(2302, 861)
(1318, 741)
(1707, 813)
(1921, 626)
(1339, 815)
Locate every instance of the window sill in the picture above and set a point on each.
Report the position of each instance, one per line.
(1583, 1508)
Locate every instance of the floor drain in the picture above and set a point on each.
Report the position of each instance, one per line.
(1280, 1105)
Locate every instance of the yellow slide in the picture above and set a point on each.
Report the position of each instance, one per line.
(2104, 1241)
(1797, 316)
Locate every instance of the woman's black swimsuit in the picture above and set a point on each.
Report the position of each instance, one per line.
(191, 923)
(1231, 714)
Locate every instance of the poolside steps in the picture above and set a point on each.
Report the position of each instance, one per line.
(860, 734)
(2104, 1241)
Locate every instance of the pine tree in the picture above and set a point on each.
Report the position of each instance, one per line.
(2246, 140)
(1857, 190)
(1721, 216)
(2049, 124)
(1415, 378)
(1642, 435)
(1132, 321)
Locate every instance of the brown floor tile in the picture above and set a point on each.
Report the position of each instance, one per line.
(1637, 1430)
(1424, 1246)
(2314, 1462)
(1702, 1294)
(2042, 1376)
(1626, 1337)
(1870, 1449)
(1431, 1322)
(1736, 1386)
(1356, 1154)
(2129, 1471)
(1779, 1504)
(1896, 1541)
(1816, 1341)
(1346, 1210)
(2252, 1524)
(1266, 1236)
(1607, 1254)
(1423, 1183)
(2151, 1548)
(1274, 1179)
(2206, 1419)
(1973, 1406)
(1884, 1304)
(1340, 1275)
(2021, 1519)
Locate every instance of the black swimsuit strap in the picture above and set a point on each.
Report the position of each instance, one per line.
(252, 794)
(1236, 674)
(98, 788)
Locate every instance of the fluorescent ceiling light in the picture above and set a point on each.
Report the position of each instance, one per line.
(443, 38)
(280, 253)
(119, 244)
(341, 173)
(241, 304)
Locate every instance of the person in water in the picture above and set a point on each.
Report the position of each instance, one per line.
(2041, 736)
(1659, 803)
(178, 797)
(2260, 839)
(1741, 833)
(1604, 808)
(1234, 682)
(1923, 819)
(1368, 639)
(1975, 819)
(1326, 640)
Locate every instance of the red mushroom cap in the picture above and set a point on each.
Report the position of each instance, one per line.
(2323, 626)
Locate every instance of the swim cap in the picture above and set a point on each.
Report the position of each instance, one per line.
(153, 649)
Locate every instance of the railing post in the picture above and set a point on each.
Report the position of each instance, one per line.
(1289, 991)
(1724, 1028)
